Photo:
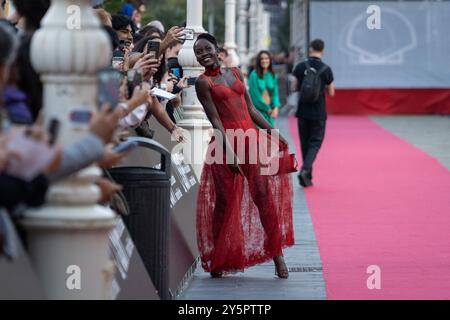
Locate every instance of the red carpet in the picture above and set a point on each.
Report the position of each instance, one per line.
(378, 200)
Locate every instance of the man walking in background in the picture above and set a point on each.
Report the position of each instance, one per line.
(314, 79)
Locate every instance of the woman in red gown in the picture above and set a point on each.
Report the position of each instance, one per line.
(243, 217)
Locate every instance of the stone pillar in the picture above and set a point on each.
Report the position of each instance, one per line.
(195, 120)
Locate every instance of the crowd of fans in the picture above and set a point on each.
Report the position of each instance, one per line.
(21, 103)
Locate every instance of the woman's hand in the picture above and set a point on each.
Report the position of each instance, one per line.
(183, 83)
(275, 113)
(37, 130)
(104, 123)
(111, 159)
(170, 85)
(134, 58)
(147, 65)
(126, 61)
(107, 188)
(176, 103)
(123, 90)
(173, 35)
(172, 77)
(178, 135)
(55, 164)
(140, 95)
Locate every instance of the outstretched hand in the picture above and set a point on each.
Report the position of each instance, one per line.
(107, 188)
(105, 122)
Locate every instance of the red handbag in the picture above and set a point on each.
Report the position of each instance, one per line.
(288, 162)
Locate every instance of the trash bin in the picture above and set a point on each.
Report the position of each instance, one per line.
(147, 191)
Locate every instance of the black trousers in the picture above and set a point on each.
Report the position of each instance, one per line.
(312, 133)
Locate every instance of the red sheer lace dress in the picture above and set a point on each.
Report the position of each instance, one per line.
(241, 220)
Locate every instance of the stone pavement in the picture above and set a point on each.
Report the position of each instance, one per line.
(259, 283)
(431, 134)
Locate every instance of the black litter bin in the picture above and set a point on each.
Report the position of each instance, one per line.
(147, 191)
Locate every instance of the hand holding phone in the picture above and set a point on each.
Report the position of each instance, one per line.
(140, 95)
(109, 83)
(134, 80)
(122, 45)
(118, 60)
(188, 34)
(176, 72)
(191, 81)
(153, 48)
(53, 131)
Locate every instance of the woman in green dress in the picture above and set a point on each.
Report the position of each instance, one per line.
(264, 87)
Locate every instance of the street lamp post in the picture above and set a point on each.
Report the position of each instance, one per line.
(68, 237)
(230, 32)
(194, 117)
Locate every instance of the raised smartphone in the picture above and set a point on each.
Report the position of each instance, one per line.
(109, 81)
(153, 48)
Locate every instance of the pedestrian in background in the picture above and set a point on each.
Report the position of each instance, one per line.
(314, 79)
(263, 88)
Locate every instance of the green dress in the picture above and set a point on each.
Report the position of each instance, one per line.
(257, 86)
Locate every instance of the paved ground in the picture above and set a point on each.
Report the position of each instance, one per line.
(259, 283)
(429, 133)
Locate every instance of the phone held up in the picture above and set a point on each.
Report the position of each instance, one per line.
(122, 45)
(175, 68)
(134, 80)
(188, 34)
(53, 131)
(109, 83)
(176, 72)
(191, 81)
(118, 60)
(153, 48)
